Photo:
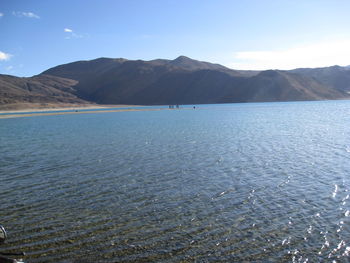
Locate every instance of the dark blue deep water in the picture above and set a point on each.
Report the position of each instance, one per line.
(249, 182)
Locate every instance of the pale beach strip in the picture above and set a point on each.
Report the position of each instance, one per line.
(19, 115)
(55, 107)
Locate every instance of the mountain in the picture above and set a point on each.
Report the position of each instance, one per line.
(179, 81)
(335, 76)
(276, 85)
(121, 81)
(186, 63)
(40, 89)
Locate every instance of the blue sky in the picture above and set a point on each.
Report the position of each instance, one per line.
(252, 34)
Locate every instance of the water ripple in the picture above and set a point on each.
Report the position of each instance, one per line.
(245, 182)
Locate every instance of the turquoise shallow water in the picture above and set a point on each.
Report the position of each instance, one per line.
(237, 182)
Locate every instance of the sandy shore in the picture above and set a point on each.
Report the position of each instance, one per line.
(58, 107)
(19, 115)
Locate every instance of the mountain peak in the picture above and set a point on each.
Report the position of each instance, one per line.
(182, 58)
(187, 63)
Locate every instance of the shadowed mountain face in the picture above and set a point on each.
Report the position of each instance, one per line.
(179, 81)
(38, 89)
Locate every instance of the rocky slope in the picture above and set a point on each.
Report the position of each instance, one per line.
(37, 89)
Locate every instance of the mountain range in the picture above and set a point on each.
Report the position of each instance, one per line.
(179, 81)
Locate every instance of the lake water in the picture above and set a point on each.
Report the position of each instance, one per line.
(239, 182)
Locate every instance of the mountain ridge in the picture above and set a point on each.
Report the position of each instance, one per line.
(179, 81)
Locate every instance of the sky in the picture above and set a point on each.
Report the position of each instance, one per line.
(251, 34)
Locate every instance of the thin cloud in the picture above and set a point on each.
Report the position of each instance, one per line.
(313, 55)
(9, 68)
(1, 15)
(71, 34)
(25, 14)
(4, 56)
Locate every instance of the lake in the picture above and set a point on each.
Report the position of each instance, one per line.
(236, 182)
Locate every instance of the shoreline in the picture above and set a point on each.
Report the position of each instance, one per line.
(19, 115)
(62, 108)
